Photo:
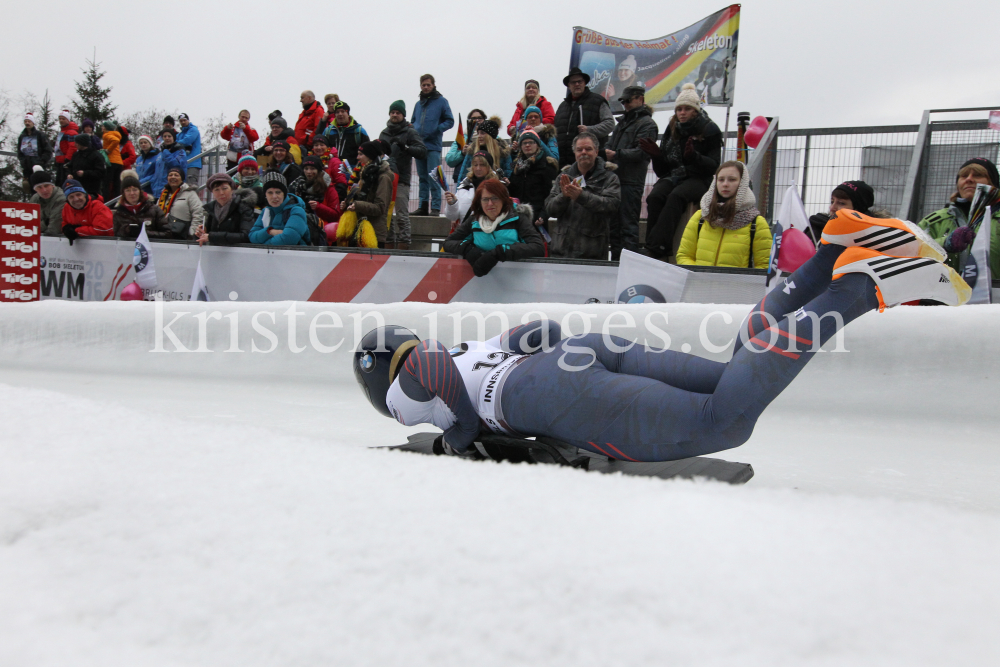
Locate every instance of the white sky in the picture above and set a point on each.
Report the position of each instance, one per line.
(813, 64)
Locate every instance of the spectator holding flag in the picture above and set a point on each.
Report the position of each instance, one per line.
(485, 141)
(365, 213)
(404, 144)
(457, 152)
(241, 138)
(431, 116)
(531, 98)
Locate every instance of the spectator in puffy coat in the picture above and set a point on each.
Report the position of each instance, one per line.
(283, 218)
(145, 162)
(87, 127)
(727, 230)
(181, 204)
(248, 178)
(279, 132)
(136, 210)
(431, 117)
(345, 134)
(534, 172)
(315, 189)
(33, 148)
(65, 144)
(531, 98)
(172, 156)
(460, 203)
(949, 225)
(83, 215)
(87, 166)
(404, 144)
(364, 219)
(497, 231)
(485, 141)
(309, 119)
(332, 164)
(241, 138)
(190, 138)
(547, 132)
(112, 148)
(583, 198)
(582, 111)
(230, 216)
(456, 154)
(51, 200)
(685, 160)
(623, 149)
(282, 162)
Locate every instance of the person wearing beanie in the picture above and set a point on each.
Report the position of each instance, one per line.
(322, 202)
(282, 161)
(531, 98)
(485, 140)
(50, 198)
(181, 204)
(87, 165)
(145, 162)
(111, 140)
(344, 134)
(623, 151)
(583, 110)
(626, 78)
(135, 210)
(333, 166)
(308, 120)
(230, 215)
(852, 195)
(949, 226)
(404, 144)
(282, 221)
(83, 214)
(459, 204)
(364, 218)
(65, 144)
(532, 120)
(171, 156)
(533, 174)
(33, 149)
(431, 117)
(241, 138)
(190, 138)
(88, 128)
(685, 163)
(279, 132)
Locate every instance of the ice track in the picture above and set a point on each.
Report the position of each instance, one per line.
(222, 508)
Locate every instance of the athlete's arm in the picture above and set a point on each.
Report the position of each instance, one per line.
(429, 372)
(528, 338)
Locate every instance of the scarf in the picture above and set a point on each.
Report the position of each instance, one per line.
(523, 163)
(167, 199)
(222, 212)
(746, 207)
(488, 225)
(132, 208)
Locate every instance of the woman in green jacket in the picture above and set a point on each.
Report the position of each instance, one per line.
(728, 230)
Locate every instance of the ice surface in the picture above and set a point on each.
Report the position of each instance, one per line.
(222, 508)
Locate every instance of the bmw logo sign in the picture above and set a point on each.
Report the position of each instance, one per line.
(42, 263)
(641, 294)
(140, 257)
(367, 362)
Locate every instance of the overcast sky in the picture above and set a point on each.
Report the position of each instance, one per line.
(812, 64)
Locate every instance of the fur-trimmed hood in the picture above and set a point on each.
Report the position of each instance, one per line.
(245, 196)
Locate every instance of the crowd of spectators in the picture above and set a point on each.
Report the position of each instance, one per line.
(567, 181)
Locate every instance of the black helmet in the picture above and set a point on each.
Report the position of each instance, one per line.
(377, 361)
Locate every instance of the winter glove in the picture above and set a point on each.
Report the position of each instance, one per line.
(502, 252)
(441, 447)
(471, 252)
(70, 232)
(690, 155)
(484, 264)
(959, 239)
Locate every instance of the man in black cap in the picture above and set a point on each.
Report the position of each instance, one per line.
(854, 195)
(345, 134)
(582, 111)
(623, 150)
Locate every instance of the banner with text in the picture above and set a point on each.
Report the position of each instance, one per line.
(19, 251)
(703, 54)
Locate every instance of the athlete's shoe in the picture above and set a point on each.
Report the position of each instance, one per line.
(892, 237)
(902, 279)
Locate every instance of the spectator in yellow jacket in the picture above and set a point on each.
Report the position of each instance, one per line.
(728, 230)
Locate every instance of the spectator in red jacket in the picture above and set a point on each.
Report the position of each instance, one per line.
(531, 98)
(241, 138)
(65, 144)
(319, 195)
(309, 119)
(332, 163)
(128, 151)
(83, 215)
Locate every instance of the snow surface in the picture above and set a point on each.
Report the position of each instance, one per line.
(223, 508)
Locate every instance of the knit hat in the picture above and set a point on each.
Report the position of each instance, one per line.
(990, 168)
(531, 109)
(109, 125)
(147, 138)
(313, 161)
(130, 179)
(341, 104)
(274, 180)
(86, 123)
(534, 82)
(29, 116)
(278, 120)
(66, 114)
(167, 130)
(861, 194)
(576, 70)
(628, 63)
(688, 97)
(82, 140)
(246, 160)
(321, 138)
(71, 186)
(486, 156)
(179, 170)
(183, 116)
(274, 114)
(398, 105)
(490, 127)
(532, 135)
(281, 143)
(168, 119)
(39, 176)
(215, 179)
(371, 149)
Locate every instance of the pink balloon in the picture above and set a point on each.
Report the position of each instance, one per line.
(754, 133)
(132, 292)
(331, 232)
(796, 248)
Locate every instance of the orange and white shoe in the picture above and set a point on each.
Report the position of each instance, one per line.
(902, 279)
(892, 237)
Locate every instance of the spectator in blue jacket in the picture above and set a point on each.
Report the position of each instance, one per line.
(190, 138)
(431, 117)
(172, 154)
(145, 162)
(283, 220)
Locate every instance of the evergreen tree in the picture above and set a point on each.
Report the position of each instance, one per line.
(10, 170)
(45, 118)
(92, 101)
